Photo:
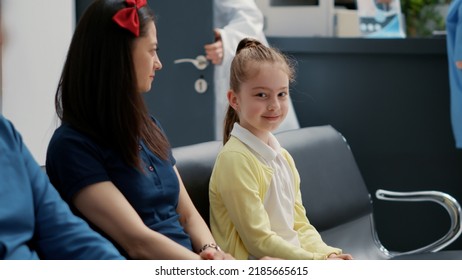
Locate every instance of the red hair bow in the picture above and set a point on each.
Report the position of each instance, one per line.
(128, 17)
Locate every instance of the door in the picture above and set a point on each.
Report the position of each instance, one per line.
(186, 113)
(181, 97)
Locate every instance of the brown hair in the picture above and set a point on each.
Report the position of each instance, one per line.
(97, 91)
(251, 52)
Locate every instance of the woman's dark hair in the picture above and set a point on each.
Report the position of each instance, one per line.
(249, 54)
(97, 92)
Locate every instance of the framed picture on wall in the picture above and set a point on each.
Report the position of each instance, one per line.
(380, 19)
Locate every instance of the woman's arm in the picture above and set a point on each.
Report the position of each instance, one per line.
(106, 207)
(195, 226)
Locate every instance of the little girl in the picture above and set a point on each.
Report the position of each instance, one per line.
(255, 200)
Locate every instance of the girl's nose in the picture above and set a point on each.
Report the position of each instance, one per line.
(273, 105)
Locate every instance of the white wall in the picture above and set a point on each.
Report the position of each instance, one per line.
(38, 34)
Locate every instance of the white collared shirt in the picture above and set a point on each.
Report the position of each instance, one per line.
(279, 200)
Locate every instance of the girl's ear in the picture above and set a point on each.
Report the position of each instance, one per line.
(232, 99)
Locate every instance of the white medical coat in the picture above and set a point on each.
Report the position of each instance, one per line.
(237, 19)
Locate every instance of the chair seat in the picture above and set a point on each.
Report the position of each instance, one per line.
(355, 238)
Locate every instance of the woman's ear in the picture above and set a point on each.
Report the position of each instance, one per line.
(232, 99)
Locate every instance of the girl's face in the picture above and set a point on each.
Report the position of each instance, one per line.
(262, 101)
(145, 59)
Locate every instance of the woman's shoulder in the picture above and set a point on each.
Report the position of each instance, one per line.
(157, 123)
(66, 137)
(65, 133)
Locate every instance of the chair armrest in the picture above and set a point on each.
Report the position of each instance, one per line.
(448, 202)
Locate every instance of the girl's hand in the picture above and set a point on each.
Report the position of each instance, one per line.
(340, 257)
(269, 258)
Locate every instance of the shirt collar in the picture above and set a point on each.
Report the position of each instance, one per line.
(267, 151)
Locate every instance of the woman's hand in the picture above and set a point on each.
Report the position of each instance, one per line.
(214, 254)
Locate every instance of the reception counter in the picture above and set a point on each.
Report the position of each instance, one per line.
(414, 46)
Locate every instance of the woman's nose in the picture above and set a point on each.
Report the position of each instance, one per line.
(157, 64)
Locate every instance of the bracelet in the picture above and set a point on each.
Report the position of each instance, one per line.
(209, 245)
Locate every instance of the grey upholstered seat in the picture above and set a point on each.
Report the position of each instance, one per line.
(195, 164)
(334, 193)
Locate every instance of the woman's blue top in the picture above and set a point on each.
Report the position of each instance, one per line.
(75, 161)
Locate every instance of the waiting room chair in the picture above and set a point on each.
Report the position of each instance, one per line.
(335, 196)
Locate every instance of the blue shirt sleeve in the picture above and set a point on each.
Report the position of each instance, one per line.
(74, 162)
(56, 233)
(454, 43)
(458, 34)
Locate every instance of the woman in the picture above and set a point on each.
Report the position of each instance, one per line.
(109, 159)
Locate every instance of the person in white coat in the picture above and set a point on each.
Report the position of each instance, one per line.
(235, 20)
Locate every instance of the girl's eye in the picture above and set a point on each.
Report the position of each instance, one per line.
(282, 94)
(261, 94)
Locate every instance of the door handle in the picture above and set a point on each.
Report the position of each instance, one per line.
(200, 61)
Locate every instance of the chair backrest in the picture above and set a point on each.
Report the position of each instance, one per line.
(195, 164)
(332, 188)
